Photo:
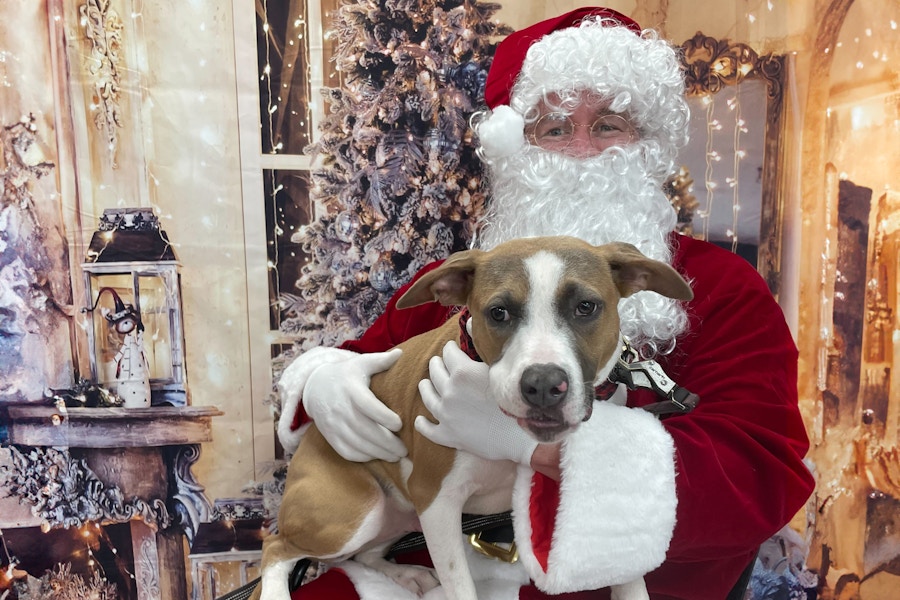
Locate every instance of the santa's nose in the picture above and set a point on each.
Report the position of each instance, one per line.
(582, 146)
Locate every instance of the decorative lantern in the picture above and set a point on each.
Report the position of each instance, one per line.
(131, 258)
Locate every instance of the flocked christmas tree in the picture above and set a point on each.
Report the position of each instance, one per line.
(395, 167)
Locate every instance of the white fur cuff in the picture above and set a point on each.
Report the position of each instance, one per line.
(616, 508)
(290, 389)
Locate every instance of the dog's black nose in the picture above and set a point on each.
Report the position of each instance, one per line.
(544, 386)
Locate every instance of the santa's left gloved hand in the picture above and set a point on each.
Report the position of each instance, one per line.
(458, 396)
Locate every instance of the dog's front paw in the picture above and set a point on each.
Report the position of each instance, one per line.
(633, 590)
(416, 579)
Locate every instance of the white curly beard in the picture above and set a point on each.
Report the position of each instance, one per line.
(601, 199)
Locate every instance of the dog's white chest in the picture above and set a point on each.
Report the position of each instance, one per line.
(485, 486)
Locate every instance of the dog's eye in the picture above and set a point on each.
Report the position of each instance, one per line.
(585, 308)
(499, 314)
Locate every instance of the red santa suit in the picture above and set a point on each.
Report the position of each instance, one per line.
(740, 474)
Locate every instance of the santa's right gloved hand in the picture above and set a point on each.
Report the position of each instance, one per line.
(356, 423)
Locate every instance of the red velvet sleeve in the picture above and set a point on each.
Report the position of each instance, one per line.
(740, 474)
(395, 325)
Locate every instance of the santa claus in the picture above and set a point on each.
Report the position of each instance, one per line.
(586, 116)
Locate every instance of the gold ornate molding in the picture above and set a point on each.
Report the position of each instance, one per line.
(103, 28)
(712, 64)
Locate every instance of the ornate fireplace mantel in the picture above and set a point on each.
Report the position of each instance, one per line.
(32, 425)
(73, 466)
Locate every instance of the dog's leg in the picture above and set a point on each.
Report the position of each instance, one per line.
(441, 526)
(414, 578)
(274, 584)
(330, 510)
(633, 590)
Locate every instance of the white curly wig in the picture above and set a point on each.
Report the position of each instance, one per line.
(638, 74)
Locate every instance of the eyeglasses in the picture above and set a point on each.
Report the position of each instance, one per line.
(555, 131)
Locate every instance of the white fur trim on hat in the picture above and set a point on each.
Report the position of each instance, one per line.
(617, 503)
(290, 390)
(502, 133)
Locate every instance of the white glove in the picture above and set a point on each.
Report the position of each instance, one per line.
(357, 424)
(290, 390)
(458, 396)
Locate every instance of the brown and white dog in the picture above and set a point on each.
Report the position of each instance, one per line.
(543, 316)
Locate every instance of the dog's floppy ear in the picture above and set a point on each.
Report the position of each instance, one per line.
(634, 272)
(449, 284)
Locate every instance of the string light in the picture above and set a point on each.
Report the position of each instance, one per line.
(710, 158)
(705, 215)
(739, 128)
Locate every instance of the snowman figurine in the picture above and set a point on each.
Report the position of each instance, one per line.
(132, 369)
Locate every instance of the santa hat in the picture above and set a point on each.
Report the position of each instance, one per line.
(591, 48)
